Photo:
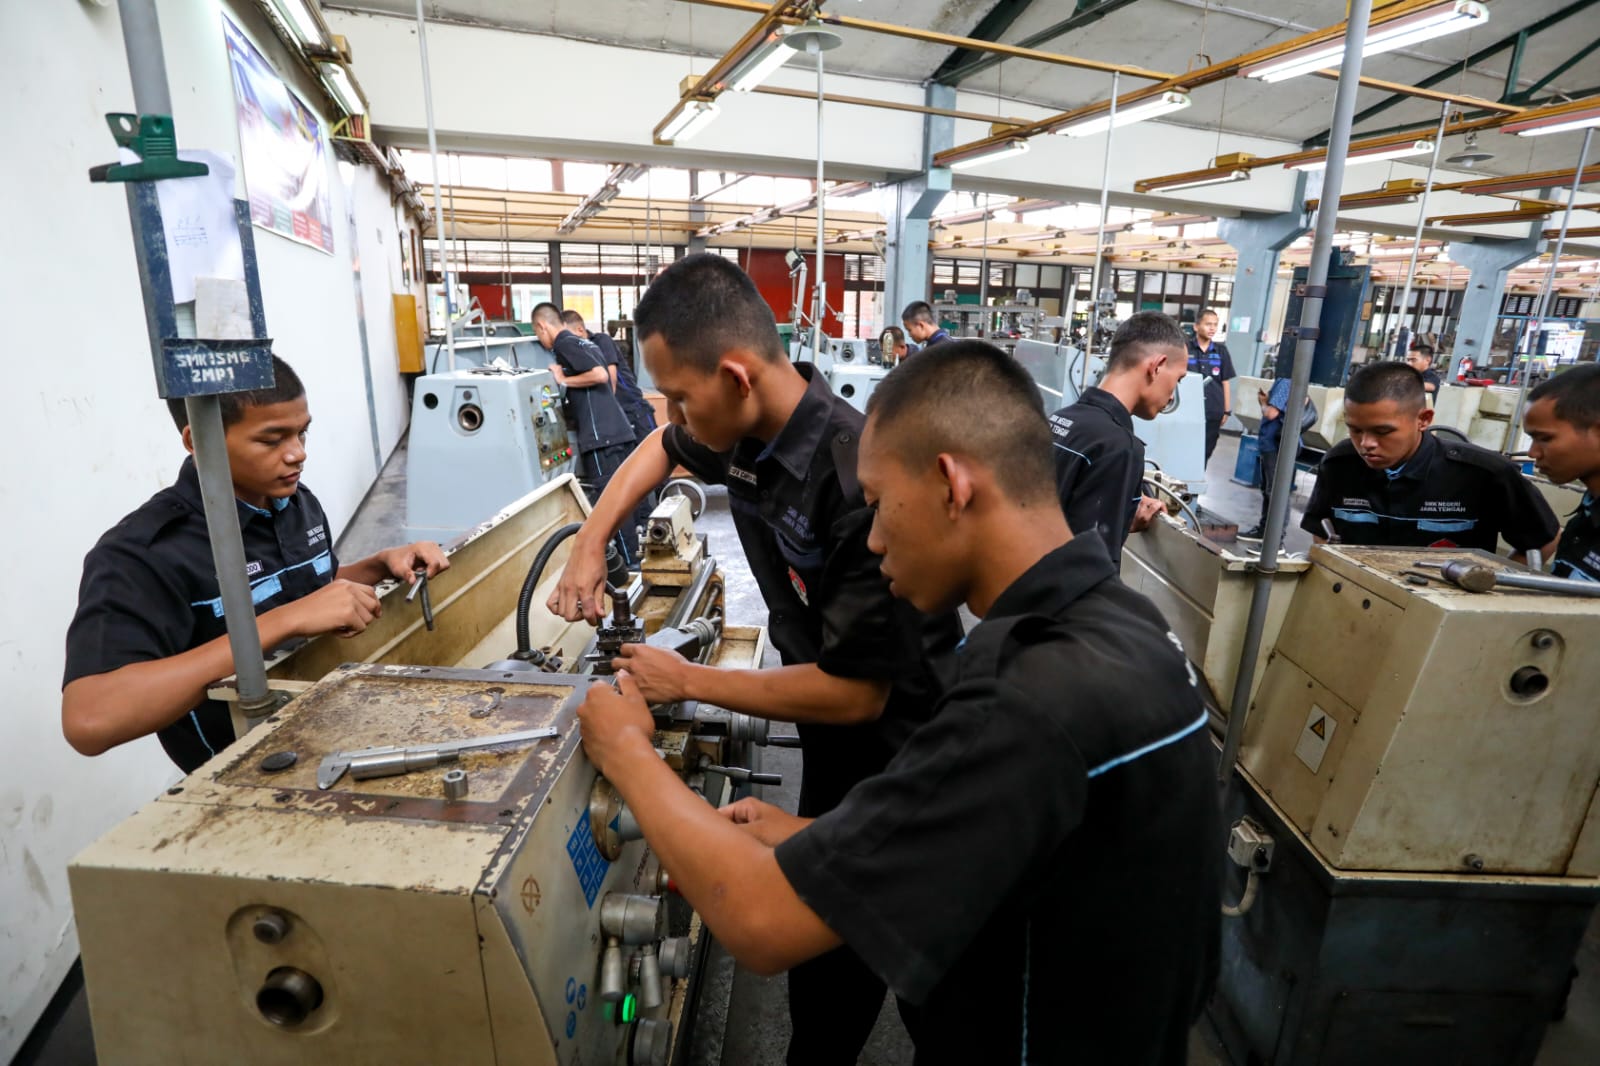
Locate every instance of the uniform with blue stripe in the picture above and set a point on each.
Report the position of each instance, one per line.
(149, 591)
(1037, 872)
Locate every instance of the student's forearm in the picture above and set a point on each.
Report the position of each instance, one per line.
(588, 379)
(101, 711)
(368, 571)
(642, 471)
(1227, 396)
(729, 877)
(800, 693)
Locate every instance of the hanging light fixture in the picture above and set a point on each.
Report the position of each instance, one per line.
(1164, 104)
(1435, 20)
(988, 153)
(1318, 160)
(690, 118)
(1224, 169)
(1578, 115)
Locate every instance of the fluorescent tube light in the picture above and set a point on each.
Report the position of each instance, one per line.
(1436, 20)
(1165, 104)
(1363, 155)
(692, 117)
(1580, 114)
(990, 154)
(343, 88)
(759, 63)
(305, 25)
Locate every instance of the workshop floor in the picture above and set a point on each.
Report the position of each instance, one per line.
(742, 1019)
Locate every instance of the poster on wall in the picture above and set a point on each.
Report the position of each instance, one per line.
(280, 148)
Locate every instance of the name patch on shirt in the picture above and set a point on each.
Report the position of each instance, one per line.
(252, 569)
(741, 474)
(316, 534)
(1060, 426)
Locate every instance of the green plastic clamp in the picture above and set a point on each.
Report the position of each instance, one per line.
(155, 140)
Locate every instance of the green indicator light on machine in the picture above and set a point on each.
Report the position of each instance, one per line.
(630, 1009)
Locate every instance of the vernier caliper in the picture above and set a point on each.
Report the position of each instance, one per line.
(367, 763)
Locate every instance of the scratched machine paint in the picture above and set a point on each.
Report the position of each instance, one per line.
(587, 862)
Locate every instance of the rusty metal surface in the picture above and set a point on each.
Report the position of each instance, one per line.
(362, 706)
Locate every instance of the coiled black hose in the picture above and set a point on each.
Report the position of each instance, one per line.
(535, 573)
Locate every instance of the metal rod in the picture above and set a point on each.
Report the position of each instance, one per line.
(819, 286)
(147, 70)
(1100, 238)
(1344, 107)
(1403, 335)
(1545, 296)
(438, 201)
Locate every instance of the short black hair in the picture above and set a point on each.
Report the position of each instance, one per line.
(969, 398)
(702, 306)
(1204, 311)
(286, 387)
(1425, 349)
(546, 312)
(572, 318)
(1147, 329)
(1387, 380)
(919, 311)
(1576, 392)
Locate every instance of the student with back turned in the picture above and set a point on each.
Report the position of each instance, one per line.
(1036, 874)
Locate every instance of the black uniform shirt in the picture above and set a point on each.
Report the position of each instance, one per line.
(601, 422)
(1448, 494)
(149, 591)
(1099, 466)
(1216, 363)
(803, 524)
(628, 393)
(1038, 869)
(1431, 377)
(1579, 553)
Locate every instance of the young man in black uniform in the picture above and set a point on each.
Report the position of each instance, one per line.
(1212, 359)
(1036, 873)
(149, 634)
(1392, 483)
(1420, 359)
(922, 325)
(1563, 419)
(623, 383)
(1099, 461)
(604, 437)
(856, 675)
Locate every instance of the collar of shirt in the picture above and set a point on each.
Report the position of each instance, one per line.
(1095, 396)
(1588, 510)
(188, 489)
(1418, 466)
(1058, 579)
(799, 438)
(938, 335)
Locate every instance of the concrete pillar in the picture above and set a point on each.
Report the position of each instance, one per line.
(1258, 240)
(908, 205)
(1488, 262)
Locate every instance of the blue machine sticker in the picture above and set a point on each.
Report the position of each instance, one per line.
(587, 862)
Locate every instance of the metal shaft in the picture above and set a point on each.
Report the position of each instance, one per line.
(1344, 107)
(1403, 335)
(1544, 297)
(819, 287)
(438, 205)
(1100, 237)
(147, 70)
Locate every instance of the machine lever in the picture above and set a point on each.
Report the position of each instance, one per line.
(1474, 577)
(366, 763)
(740, 776)
(420, 585)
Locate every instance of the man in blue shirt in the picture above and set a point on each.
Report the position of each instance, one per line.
(1563, 419)
(1212, 359)
(922, 325)
(1267, 441)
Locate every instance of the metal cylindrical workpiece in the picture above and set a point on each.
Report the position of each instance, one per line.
(455, 784)
(613, 982)
(652, 1043)
(627, 825)
(649, 978)
(674, 956)
(746, 728)
(633, 919)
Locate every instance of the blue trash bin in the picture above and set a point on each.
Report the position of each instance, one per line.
(1247, 468)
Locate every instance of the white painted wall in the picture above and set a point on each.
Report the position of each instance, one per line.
(89, 440)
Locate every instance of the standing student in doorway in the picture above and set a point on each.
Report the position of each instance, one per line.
(1211, 358)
